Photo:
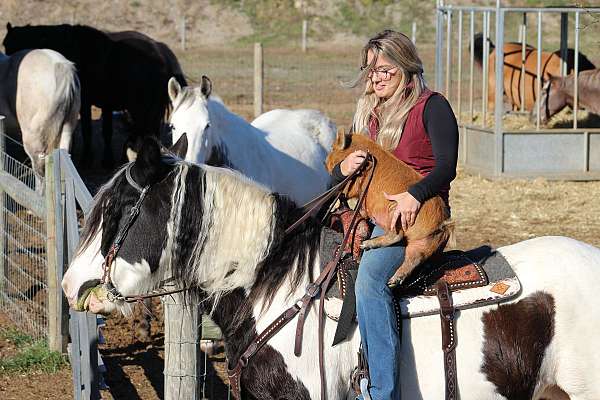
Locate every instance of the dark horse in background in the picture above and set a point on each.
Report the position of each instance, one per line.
(513, 60)
(118, 71)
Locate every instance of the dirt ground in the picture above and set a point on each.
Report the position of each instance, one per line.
(493, 212)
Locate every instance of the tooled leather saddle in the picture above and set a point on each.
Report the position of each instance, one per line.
(447, 282)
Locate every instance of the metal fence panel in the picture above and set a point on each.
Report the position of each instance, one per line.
(23, 262)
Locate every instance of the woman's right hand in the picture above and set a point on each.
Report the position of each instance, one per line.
(352, 162)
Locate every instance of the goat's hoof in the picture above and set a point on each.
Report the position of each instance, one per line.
(395, 281)
(368, 245)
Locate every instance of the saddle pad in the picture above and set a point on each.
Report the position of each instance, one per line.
(502, 285)
(468, 288)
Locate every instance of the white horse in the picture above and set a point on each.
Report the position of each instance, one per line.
(282, 149)
(221, 233)
(40, 98)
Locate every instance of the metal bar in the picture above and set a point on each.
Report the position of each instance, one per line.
(448, 55)
(564, 42)
(460, 62)
(523, 57)
(471, 62)
(586, 151)
(538, 70)
(498, 101)
(486, 61)
(544, 10)
(439, 43)
(22, 194)
(576, 73)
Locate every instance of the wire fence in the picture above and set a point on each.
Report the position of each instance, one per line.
(23, 261)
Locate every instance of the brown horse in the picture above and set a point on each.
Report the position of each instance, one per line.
(558, 93)
(550, 66)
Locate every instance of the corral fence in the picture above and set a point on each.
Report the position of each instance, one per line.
(39, 231)
(489, 144)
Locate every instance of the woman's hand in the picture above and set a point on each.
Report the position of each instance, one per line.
(406, 208)
(352, 162)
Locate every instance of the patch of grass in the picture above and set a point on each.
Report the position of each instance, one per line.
(32, 355)
(15, 336)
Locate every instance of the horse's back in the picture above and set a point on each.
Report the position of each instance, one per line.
(284, 126)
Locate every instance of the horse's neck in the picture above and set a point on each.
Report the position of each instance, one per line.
(235, 135)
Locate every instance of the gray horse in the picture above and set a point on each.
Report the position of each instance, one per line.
(40, 98)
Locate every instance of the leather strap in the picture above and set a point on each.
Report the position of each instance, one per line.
(447, 314)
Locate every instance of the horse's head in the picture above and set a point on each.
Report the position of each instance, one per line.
(33, 37)
(139, 256)
(190, 120)
(552, 100)
(207, 227)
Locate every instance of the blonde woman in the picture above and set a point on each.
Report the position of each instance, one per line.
(418, 126)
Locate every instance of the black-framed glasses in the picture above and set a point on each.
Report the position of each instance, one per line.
(383, 73)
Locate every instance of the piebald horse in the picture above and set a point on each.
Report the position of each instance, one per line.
(223, 235)
(282, 149)
(513, 61)
(40, 97)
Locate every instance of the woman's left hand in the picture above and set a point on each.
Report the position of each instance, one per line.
(407, 208)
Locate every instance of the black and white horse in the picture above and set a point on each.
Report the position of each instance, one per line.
(222, 234)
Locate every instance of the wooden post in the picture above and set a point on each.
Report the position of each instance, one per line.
(258, 79)
(57, 338)
(183, 361)
(183, 33)
(304, 34)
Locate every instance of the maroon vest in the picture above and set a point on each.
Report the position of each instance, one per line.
(414, 147)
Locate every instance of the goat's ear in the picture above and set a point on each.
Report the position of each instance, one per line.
(206, 86)
(342, 140)
(173, 88)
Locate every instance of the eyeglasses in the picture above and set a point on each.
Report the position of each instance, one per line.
(383, 73)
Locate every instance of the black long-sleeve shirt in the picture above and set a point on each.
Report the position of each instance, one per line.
(442, 129)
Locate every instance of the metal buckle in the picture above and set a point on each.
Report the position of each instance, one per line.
(312, 289)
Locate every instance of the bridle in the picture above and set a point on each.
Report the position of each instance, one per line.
(112, 293)
(313, 289)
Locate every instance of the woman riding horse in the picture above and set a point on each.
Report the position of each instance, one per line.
(399, 112)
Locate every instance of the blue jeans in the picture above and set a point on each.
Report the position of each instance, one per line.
(377, 318)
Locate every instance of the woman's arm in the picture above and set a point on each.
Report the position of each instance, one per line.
(440, 124)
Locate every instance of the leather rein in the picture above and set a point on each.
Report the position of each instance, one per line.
(313, 289)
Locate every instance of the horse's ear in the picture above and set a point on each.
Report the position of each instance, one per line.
(206, 86)
(174, 88)
(8, 26)
(180, 148)
(148, 165)
(342, 140)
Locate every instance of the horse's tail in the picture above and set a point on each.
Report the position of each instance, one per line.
(68, 91)
(478, 48)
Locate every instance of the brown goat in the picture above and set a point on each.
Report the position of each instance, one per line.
(432, 228)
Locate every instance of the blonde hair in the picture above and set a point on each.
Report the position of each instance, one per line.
(391, 113)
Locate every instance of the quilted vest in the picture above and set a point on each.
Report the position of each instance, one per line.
(414, 147)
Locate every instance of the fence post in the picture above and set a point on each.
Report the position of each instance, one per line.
(564, 42)
(2, 208)
(414, 32)
(499, 93)
(439, 43)
(183, 33)
(183, 366)
(304, 34)
(57, 338)
(258, 79)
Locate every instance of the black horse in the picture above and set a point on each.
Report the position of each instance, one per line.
(117, 70)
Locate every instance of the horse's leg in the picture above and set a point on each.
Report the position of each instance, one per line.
(86, 131)
(107, 130)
